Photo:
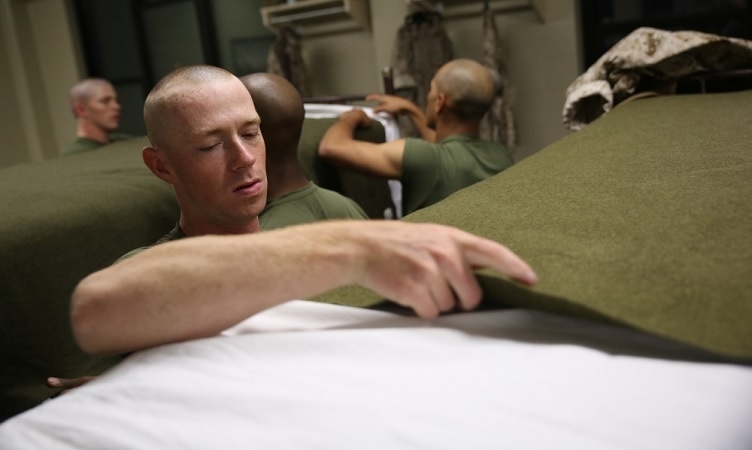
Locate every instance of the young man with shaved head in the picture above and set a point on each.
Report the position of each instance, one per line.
(450, 155)
(95, 105)
(205, 141)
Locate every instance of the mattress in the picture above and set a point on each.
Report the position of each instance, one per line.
(309, 375)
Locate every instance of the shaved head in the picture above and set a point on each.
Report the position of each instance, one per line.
(470, 86)
(84, 90)
(280, 107)
(172, 93)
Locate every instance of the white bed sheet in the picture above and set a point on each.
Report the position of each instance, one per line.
(319, 376)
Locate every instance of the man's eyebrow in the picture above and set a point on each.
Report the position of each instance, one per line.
(256, 120)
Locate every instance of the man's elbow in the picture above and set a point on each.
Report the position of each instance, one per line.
(87, 316)
(326, 149)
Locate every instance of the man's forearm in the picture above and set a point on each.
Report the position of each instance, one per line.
(339, 148)
(338, 139)
(418, 118)
(198, 287)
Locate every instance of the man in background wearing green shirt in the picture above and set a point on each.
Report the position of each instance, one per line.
(291, 197)
(450, 154)
(94, 103)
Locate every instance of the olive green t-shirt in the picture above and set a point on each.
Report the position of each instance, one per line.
(81, 144)
(309, 204)
(433, 171)
(305, 205)
(174, 235)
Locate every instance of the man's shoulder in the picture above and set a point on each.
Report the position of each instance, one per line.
(83, 144)
(336, 199)
(115, 137)
(416, 147)
(420, 154)
(309, 204)
(332, 202)
(175, 234)
(477, 146)
(291, 197)
(330, 194)
(80, 145)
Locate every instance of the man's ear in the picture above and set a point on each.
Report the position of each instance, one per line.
(154, 160)
(79, 109)
(441, 102)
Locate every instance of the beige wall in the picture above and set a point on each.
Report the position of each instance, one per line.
(39, 62)
(541, 55)
(11, 123)
(40, 58)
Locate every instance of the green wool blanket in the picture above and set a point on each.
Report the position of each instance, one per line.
(643, 218)
(62, 220)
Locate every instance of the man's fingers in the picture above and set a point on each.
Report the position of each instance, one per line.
(484, 253)
(442, 290)
(67, 383)
(421, 299)
(430, 267)
(458, 279)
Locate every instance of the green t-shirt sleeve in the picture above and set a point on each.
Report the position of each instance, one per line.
(175, 234)
(421, 171)
(130, 253)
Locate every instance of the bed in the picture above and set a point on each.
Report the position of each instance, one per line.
(638, 335)
(308, 375)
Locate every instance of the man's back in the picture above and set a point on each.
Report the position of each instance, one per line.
(448, 158)
(432, 172)
(309, 204)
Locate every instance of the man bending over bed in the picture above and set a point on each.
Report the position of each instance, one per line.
(450, 155)
(205, 141)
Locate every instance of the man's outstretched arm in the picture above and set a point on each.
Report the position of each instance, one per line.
(198, 287)
(339, 148)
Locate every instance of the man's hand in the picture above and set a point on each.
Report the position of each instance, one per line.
(356, 117)
(67, 384)
(429, 267)
(392, 104)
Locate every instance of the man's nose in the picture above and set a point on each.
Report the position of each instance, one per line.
(242, 154)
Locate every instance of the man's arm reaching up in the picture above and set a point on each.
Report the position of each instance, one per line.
(339, 148)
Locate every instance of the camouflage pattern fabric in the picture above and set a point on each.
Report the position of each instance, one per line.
(648, 59)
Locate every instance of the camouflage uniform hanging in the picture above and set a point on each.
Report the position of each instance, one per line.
(420, 48)
(498, 124)
(286, 60)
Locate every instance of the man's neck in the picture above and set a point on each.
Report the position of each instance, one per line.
(195, 228)
(89, 131)
(284, 179)
(446, 129)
